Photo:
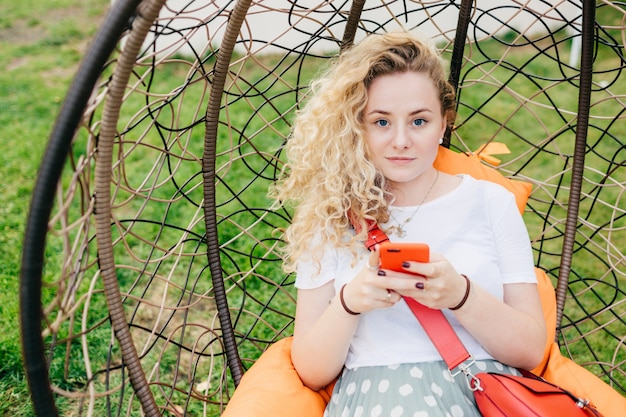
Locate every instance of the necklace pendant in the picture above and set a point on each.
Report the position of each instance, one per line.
(399, 229)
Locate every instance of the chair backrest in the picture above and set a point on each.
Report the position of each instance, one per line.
(161, 250)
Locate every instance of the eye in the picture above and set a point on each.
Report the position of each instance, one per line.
(381, 122)
(419, 122)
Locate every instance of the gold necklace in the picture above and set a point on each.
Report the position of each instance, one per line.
(399, 229)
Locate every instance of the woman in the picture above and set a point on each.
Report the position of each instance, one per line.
(365, 144)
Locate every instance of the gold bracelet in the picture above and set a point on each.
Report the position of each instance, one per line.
(467, 291)
(343, 303)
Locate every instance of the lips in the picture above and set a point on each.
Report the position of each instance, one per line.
(400, 160)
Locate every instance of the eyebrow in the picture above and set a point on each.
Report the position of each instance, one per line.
(422, 110)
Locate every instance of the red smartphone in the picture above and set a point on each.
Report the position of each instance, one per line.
(392, 254)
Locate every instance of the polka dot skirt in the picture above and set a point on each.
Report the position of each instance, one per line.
(407, 390)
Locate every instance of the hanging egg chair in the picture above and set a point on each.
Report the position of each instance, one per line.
(151, 274)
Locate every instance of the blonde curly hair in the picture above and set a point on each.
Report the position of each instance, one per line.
(329, 172)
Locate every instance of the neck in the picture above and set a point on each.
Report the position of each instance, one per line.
(417, 192)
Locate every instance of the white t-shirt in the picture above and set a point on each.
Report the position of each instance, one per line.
(477, 227)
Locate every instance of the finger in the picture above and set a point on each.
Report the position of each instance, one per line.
(391, 297)
(418, 268)
(436, 257)
(373, 261)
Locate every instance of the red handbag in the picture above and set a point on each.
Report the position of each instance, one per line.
(527, 396)
(496, 395)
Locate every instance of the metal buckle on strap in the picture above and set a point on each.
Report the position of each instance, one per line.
(473, 383)
(582, 403)
(375, 237)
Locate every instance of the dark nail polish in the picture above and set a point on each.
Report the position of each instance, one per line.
(381, 273)
(405, 265)
(419, 285)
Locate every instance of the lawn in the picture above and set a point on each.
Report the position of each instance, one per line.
(43, 42)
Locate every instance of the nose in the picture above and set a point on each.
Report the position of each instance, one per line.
(401, 139)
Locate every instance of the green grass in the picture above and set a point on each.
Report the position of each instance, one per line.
(42, 46)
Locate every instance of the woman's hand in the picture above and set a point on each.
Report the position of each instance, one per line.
(370, 289)
(435, 284)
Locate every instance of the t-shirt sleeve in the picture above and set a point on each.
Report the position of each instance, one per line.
(512, 241)
(312, 273)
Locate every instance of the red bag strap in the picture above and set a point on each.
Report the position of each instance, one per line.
(434, 323)
(374, 234)
(440, 332)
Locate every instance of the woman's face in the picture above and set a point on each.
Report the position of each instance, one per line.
(403, 123)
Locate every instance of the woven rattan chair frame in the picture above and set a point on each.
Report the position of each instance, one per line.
(120, 285)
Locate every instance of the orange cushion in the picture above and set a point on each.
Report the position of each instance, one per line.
(458, 163)
(548, 303)
(272, 388)
(564, 372)
(567, 374)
